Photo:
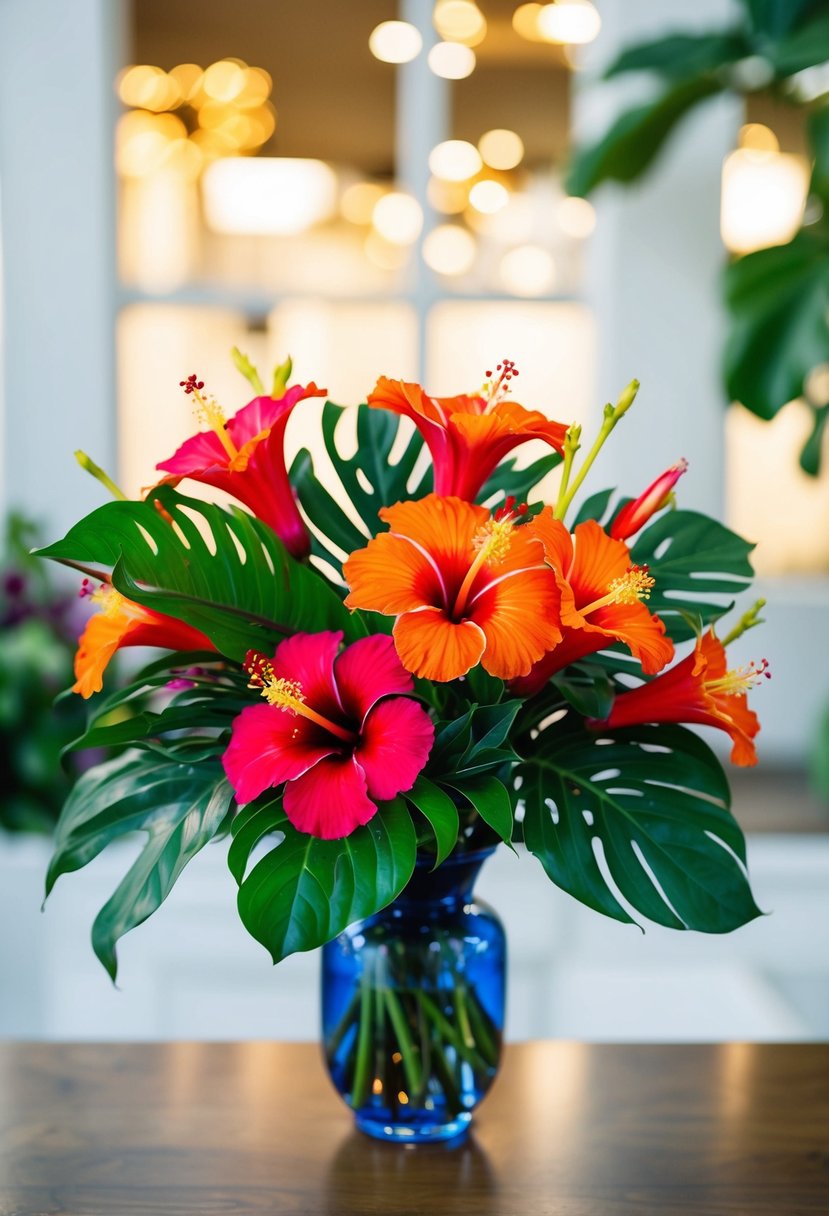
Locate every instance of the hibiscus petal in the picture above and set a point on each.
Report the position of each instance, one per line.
(368, 670)
(391, 576)
(599, 559)
(641, 631)
(269, 745)
(394, 746)
(519, 615)
(435, 648)
(308, 659)
(330, 799)
(262, 413)
(201, 451)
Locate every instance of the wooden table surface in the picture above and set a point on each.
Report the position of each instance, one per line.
(568, 1130)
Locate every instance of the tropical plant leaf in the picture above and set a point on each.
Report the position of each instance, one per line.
(779, 304)
(491, 800)
(181, 807)
(656, 802)
(695, 561)
(508, 479)
(775, 18)
(801, 48)
(810, 455)
(368, 479)
(594, 507)
(681, 55)
(635, 139)
(439, 809)
(305, 891)
(587, 687)
(222, 572)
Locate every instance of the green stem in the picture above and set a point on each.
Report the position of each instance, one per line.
(571, 446)
(463, 1017)
(612, 414)
(486, 1042)
(450, 1034)
(444, 1076)
(343, 1025)
(359, 1089)
(404, 1039)
(89, 466)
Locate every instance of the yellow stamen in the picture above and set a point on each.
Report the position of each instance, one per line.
(491, 543)
(739, 680)
(287, 694)
(107, 599)
(209, 413)
(632, 587)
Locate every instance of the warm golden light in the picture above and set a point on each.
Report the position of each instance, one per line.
(225, 80)
(488, 197)
(267, 195)
(501, 148)
(449, 250)
(451, 198)
(383, 254)
(460, 21)
(148, 88)
(398, 218)
(455, 160)
(576, 217)
(525, 22)
(395, 42)
(452, 60)
(143, 141)
(574, 22)
(187, 77)
(359, 200)
(763, 192)
(528, 270)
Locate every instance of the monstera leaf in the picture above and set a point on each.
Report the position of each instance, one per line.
(305, 891)
(656, 802)
(695, 562)
(179, 806)
(368, 480)
(223, 572)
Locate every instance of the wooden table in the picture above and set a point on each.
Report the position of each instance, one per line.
(568, 1130)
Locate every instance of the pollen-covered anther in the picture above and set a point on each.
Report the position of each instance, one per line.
(739, 680)
(636, 584)
(497, 383)
(209, 413)
(492, 541)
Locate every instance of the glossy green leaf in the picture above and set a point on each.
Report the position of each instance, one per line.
(520, 482)
(180, 807)
(635, 139)
(810, 455)
(441, 812)
(368, 478)
(587, 687)
(655, 801)
(779, 304)
(695, 562)
(775, 18)
(224, 573)
(594, 507)
(491, 800)
(681, 55)
(803, 48)
(305, 891)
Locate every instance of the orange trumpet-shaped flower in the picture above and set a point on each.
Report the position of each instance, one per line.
(123, 623)
(699, 689)
(465, 588)
(470, 434)
(601, 600)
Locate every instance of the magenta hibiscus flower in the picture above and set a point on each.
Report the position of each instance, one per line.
(337, 731)
(245, 456)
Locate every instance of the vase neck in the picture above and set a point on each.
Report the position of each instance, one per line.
(450, 884)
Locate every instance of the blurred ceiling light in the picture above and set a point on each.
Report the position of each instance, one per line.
(576, 217)
(528, 270)
(455, 160)
(763, 192)
(501, 149)
(267, 196)
(385, 254)
(459, 21)
(575, 22)
(359, 200)
(449, 250)
(225, 80)
(143, 141)
(395, 42)
(398, 218)
(257, 87)
(488, 197)
(452, 60)
(148, 88)
(525, 22)
(449, 197)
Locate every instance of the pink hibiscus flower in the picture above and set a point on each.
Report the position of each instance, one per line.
(338, 731)
(245, 456)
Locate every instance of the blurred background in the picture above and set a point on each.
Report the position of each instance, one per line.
(419, 189)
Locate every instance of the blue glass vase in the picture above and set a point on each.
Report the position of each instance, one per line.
(413, 1006)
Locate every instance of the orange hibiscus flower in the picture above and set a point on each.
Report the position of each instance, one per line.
(700, 689)
(465, 588)
(601, 600)
(470, 434)
(123, 623)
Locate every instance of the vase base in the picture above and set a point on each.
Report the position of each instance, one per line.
(412, 1133)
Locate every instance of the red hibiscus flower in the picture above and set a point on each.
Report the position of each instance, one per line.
(245, 456)
(338, 731)
(636, 513)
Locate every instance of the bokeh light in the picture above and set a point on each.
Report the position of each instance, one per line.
(452, 60)
(460, 21)
(398, 218)
(449, 250)
(501, 148)
(395, 42)
(576, 217)
(528, 270)
(488, 197)
(574, 22)
(359, 200)
(455, 160)
(525, 22)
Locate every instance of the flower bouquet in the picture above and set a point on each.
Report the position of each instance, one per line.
(371, 679)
